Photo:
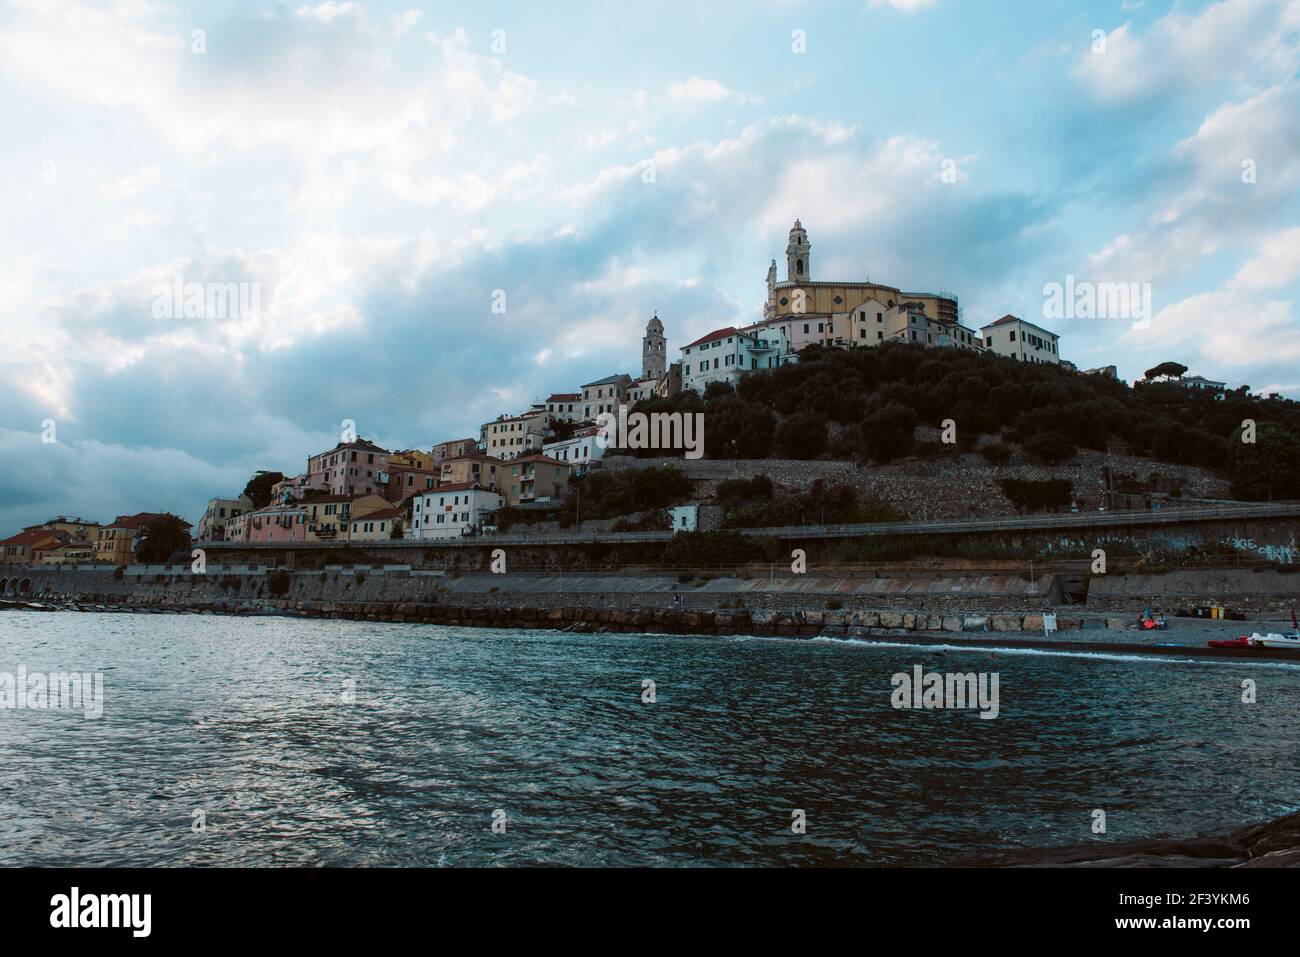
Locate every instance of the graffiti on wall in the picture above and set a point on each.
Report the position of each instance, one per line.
(1277, 554)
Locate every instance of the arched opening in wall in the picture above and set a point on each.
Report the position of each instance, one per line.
(798, 267)
(4, 586)
(24, 586)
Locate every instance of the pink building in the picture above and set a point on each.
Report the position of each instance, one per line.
(350, 468)
(276, 524)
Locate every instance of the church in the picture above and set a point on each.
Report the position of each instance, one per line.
(804, 311)
(659, 378)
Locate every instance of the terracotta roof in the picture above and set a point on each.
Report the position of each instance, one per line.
(32, 537)
(1003, 320)
(458, 487)
(565, 397)
(544, 459)
(475, 457)
(716, 334)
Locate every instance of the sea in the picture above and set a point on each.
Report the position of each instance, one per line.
(268, 741)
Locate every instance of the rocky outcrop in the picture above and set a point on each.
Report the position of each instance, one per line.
(1272, 844)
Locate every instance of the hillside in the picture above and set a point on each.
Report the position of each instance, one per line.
(876, 406)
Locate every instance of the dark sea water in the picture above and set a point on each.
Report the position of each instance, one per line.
(243, 719)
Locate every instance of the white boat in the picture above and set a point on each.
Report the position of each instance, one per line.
(1274, 640)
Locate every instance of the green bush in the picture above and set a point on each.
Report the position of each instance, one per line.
(1028, 495)
(719, 548)
(278, 582)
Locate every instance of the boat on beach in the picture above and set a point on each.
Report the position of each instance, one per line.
(1273, 640)
(1241, 641)
(1288, 640)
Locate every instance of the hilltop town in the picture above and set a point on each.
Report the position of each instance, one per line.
(358, 492)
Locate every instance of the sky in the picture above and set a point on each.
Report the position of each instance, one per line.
(441, 213)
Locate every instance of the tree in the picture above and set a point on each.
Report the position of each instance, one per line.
(258, 488)
(163, 537)
(1166, 370)
(1050, 447)
(888, 433)
(1267, 469)
(802, 436)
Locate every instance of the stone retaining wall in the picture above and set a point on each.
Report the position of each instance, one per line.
(771, 622)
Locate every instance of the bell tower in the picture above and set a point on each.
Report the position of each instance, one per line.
(654, 350)
(798, 255)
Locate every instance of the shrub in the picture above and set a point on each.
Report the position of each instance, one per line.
(888, 433)
(278, 582)
(995, 453)
(736, 491)
(1031, 496)
(718, 548)
(802, 436)
(1050, 447)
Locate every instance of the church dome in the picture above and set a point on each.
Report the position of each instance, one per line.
(654, 325)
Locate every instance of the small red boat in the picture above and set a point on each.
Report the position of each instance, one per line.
(1241, 641)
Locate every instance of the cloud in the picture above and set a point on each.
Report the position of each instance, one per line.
(317, 86)
(697, 90)
(1242, 39)
(907, 6)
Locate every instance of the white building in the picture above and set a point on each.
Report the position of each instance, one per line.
(565, 406)
(684, 518)
(724, 354)
(510, 436)
(1200, 382)
(1022, 340)
(453, 511)
(643, 389)
(579, 450)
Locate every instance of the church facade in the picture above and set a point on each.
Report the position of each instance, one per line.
(808, 311)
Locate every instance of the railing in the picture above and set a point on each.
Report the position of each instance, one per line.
(1053, 522)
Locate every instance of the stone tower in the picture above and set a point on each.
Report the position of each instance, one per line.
(798, 258)
(654, 350)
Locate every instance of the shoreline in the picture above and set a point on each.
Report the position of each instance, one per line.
(975, 633)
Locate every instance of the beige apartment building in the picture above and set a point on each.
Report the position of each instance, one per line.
(474, 469)
(535, 478)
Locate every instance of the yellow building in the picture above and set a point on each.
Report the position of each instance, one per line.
(472, 470)
(330, 517)
(411, 458)
(119, 541)
(839, 307)
(378, 526)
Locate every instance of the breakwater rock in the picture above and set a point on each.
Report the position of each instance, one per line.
(1271, 844)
